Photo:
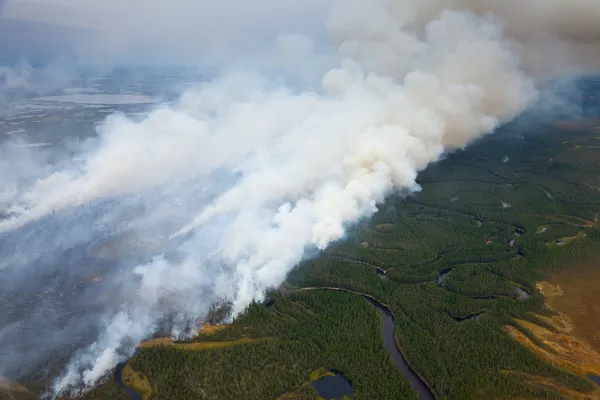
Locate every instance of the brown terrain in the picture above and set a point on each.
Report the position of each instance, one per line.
(11, 390)
(570, 338)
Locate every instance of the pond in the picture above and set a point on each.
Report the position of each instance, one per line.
(334, 387)
(133, 394)
(594, 378)
(522, 294)
(443, 274)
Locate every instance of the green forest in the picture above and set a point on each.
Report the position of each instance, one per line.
(489, 222)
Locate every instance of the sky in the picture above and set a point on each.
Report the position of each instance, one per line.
(199, 32)
(177, 31)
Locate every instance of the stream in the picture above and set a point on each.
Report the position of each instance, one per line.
(389, 340)
(391, 345)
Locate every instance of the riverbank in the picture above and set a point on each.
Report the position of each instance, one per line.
(390, 341)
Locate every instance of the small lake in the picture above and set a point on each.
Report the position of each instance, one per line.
(133, 394)
(522, 294)
(594, 378)
(443, 274)
(334, 387)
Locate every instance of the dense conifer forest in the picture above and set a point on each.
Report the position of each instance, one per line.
(489, 223)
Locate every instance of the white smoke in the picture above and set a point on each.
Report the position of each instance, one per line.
(305, 165)
(22, 76)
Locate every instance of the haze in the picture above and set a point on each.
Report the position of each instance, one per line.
(177, 31)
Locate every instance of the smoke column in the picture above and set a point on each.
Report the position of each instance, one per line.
(242, 178)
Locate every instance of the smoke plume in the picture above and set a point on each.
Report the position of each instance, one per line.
(26, 80)
(235, 183)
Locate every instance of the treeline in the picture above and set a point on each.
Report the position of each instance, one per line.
(307, 331)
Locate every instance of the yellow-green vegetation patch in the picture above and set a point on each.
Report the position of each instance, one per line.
(137, 381)
(567, 239)
(542, 228)
(305, 392)
(385, 227)
(200, 345)
(320, 373)
(210, 329)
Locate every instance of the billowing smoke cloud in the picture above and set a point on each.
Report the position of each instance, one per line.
(238, 181)
(25, 79)
(554, 36)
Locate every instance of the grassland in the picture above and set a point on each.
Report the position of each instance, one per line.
(480, 239)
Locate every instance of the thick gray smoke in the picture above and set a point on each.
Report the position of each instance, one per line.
(233, 185)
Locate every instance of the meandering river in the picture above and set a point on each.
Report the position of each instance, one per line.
(389, 339)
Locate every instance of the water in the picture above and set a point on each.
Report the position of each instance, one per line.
(594, 378)
(521, 293)
(472, 317)
(133, 394)
(389, 340)
(98, 99)
(390, 343)
(443, 274)
(333, 387)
